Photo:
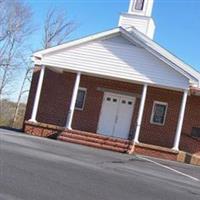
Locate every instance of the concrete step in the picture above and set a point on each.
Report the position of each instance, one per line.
(98, 140)
(95, 135)
(92, 144)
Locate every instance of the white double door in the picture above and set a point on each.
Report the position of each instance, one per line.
(116, 115)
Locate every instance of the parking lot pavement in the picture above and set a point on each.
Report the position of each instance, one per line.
(38, 168)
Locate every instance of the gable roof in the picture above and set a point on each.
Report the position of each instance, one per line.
(138, 38)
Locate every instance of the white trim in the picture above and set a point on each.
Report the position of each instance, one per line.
(73, 101)
(145, 10)
(140, 114)
(131, 4)
(85, 90)
(180, 121)
(152, 113)
(37, 95)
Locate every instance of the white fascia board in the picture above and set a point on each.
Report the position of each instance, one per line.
(36, 60)
(136, 16)
(77, 42)
(162, 54)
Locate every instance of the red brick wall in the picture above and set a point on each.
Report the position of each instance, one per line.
(190, 144)
(56, 96)
(192, 114)
(155, 134)
(192, 119)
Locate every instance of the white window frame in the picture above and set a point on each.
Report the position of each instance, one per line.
(85, 90)
(152, 113)
(142, 6)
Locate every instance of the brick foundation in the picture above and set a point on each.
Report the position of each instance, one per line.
(41, 129)
(155, 151)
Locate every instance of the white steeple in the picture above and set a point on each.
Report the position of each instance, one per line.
(139, 16)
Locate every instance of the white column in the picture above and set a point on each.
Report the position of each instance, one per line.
(73, 101)
(180, 121)
(37, 95)
(140, 114)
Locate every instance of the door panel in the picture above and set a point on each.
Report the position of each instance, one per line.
(108, 114)
(124, 117)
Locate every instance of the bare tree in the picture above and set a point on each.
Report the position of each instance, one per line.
(57, 28)
(24, 88)
(15, 26)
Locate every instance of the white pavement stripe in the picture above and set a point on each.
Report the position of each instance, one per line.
(169, 168)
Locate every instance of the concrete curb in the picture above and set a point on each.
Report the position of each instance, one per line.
(188, 158)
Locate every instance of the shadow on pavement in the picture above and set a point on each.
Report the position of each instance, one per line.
(11, 129)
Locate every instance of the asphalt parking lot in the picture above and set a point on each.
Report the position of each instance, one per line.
(38, 168)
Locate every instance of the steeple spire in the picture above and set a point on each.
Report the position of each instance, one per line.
(139, 16)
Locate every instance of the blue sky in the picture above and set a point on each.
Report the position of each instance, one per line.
(177, 22)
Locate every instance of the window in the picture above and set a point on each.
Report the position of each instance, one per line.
(108, 99)
(139, 4)
(159, 112)
(80, 100)
(124, 101)
(130, 103)
(114, 100)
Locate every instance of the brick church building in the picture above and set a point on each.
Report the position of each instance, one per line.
(117, 90)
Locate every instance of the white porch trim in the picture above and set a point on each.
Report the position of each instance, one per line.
(180, 121)
(37, 95)
(140, 114)
(73, 101)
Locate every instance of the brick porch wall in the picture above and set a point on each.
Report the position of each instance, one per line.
(192, 119)
(155, 134)
(56, 97)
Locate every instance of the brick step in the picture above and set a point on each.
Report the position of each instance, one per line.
(94, 135)
(100, 141)
(93, 144)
